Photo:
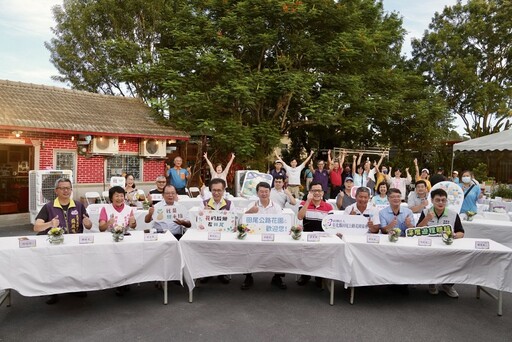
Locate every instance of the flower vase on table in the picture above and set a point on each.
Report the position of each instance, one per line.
(394, 234)
(145, 204)
(469, 215)
(56, 236)
(296, 232)
(447, 238)
(242, 231)
(117, 233)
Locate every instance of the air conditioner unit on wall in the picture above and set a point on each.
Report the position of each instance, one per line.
(104, 145)
(152, 148)
(41, 185)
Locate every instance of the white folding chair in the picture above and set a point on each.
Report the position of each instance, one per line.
(188, 192)
(104, 195)
(90, 195)
(194, 191)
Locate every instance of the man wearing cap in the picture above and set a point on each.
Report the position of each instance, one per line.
(157, 194)
(438, 177)
(277, 170)
(417, 200)
(344, 198)
(423, 176)
(455, 177)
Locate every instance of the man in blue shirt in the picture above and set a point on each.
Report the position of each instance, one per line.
(395, 216)
(179, 176)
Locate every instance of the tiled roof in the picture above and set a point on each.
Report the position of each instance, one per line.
(46, 108)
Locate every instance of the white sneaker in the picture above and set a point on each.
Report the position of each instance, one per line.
(432, 289)
(450, 291)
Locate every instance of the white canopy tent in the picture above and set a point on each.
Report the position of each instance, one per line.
(501, 141)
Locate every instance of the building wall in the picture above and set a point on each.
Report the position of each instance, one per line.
(90, 169)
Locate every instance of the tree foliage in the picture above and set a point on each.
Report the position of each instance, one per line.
(328, 73)
(466, 55)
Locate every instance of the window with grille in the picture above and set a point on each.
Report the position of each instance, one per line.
(66, 160)
(123, 164)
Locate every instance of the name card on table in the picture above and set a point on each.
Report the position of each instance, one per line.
(216, 220)
(267, 223)
(372, 238)
(267, 237)
(150, 236)
(424, 241)
(345, 224)
(26, 242)
(313, 237)
(437, 230)
(482, 244)
(85, 239)
(213, 235)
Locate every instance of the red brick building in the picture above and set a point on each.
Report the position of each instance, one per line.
(96, 136)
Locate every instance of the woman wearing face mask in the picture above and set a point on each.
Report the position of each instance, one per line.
(471, 191)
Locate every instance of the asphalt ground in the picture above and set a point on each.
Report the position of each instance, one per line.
(263, 313)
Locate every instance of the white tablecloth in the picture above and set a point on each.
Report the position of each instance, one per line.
(404, 262)
(71, 267)
(204, 258)
(94, 214)
(499, 231)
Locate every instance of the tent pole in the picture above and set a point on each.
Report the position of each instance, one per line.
(453, 157)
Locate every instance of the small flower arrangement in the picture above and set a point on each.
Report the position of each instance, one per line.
(469, 215)
(117, 233)
(296, 232)
(447, 238)
(145, 204)
(56, 235)
(394, 234)
(242, 230)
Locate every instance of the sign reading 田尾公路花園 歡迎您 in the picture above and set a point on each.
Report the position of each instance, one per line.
(268, 223)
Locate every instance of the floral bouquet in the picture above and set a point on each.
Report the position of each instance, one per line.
(469, 215)
(242, 230)
(296, 232)
(117, 233)
(394, 234)
(145, 204)
(447, 238)
(56, 235)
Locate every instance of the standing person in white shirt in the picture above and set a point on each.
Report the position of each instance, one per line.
(218, 172)
(293, 172)
(279, 195)
(264, 205)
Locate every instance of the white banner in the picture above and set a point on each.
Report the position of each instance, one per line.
(345, 224)
(216, 220)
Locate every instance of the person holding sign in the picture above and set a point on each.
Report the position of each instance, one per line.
(395, 216)
(361, 207)
(217, 200)
(169, 214)
(116, 213)
(264, 205)
(311, 212)
(440, 214)
(417, 200)
(156, 195)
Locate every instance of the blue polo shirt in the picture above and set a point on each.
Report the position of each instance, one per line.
(387, 215)
(178, 178)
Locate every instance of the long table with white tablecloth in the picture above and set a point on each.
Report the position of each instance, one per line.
(499, 231)
(204, 258)
(72, 267)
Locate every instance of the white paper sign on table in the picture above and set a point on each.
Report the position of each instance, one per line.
(313, 237)
(214, 235)
(216, 220)
(424, 241)
(479, 244)
(267, 237)
(372, 238)
(267, 223)
(85, 239)
(345, 224)
(150, 237)
(26, 243)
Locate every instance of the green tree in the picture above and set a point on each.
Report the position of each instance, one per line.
(245, 72)
(466, 55)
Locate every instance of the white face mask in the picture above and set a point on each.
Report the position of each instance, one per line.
(466, 179)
